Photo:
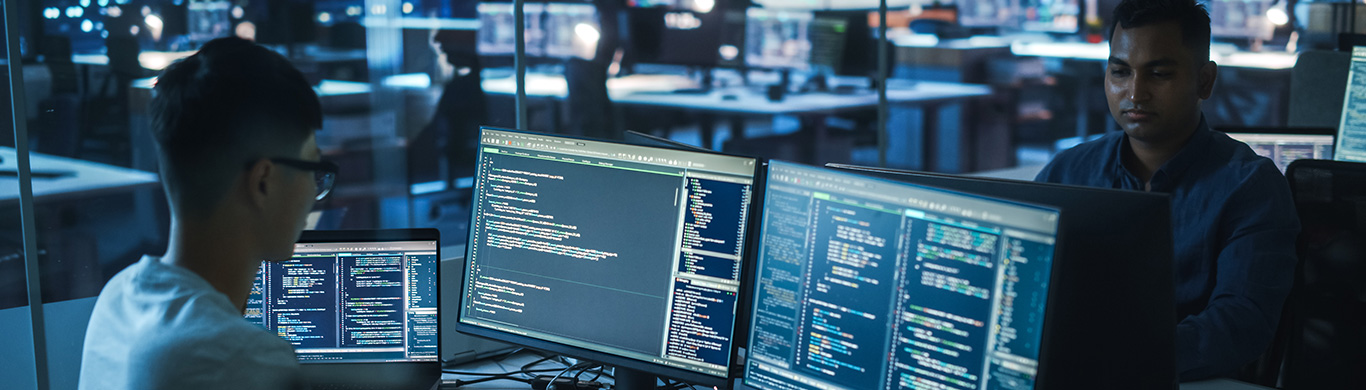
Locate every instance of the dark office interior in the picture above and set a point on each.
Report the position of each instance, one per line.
(890, 115)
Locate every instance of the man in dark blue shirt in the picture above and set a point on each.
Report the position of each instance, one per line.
(1233, 222)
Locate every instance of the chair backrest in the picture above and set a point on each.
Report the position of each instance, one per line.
(1327, 344)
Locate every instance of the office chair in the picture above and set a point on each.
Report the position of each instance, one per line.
(58, 132)
(1326, 347)
(589, 108)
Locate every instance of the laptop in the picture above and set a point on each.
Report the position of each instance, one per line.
(360, 307)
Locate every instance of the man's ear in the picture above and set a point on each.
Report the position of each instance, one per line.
(1208, 74)
(257, 182)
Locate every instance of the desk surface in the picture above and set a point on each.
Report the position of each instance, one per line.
(325, 89)
(516, 361)
(658, 91)
(745, 101)
(1101, 52)
(85, 177)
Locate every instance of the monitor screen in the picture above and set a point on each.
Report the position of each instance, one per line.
(985, 13)
(829, 35)
(866, 283)
(778, 39)
(352, 301)
(1125, 252)
(1060, 16)
(1286, 148)
(627, 255)
(552, 30)
(1240, 19)
(1351, 142)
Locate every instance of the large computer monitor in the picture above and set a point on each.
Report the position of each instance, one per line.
(693, 33)
(1284, 145)
(1240, 19)
(869, 283)
(1054, 16)
(778, 39)
(356, 305)
(551, 29)
(1351, 142)
(986, 13)
(1113, 320)
(627, 255)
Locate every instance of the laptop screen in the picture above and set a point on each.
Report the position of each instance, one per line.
(353, 301)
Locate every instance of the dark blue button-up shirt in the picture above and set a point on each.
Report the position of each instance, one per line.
(1233, 228)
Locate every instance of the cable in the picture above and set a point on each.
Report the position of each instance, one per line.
(498, 373)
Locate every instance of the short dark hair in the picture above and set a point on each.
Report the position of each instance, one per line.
(1193, 18)
(215, 111)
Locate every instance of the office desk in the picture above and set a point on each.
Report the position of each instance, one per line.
(91, 222)
(516, 361)
(85, 178)
(816, 107)
(1221, 384)
(1101, 52)
(1232, 95)
(658, 91)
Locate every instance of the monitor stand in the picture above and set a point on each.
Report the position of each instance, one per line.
(628, 379)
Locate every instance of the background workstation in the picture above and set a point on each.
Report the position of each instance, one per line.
(974, 87)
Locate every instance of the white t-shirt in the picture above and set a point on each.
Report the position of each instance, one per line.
(158, 326)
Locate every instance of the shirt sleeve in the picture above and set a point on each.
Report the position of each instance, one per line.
(1047, 174)
(1254, 272)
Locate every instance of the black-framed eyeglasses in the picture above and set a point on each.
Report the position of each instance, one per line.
(324, 172)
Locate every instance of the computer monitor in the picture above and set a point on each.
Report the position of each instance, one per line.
(1240, 19)
(1351, 142)
(626, 255)
(1052, 16)
(497, 29)
(1113, 319)
(288, 22)
(869, 283)
(986, 13)
(778, 39)
(695, 38)
(355, 304)
(1284, 145)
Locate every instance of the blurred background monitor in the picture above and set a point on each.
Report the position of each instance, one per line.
(839, 4)
(1050, 16)
(688, 32)
(1239, 19)
(985, 14)
(844, 42)
(1284, 145)
(781, 39)
(289, 22)
(551, 29)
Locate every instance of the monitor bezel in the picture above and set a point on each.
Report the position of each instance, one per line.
(662, 371)
(1058, 237)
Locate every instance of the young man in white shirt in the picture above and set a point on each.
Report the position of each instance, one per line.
(235, 126)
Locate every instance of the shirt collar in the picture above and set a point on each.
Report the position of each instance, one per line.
(1172, 171)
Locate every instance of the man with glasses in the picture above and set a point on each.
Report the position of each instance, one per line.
(235, 126)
